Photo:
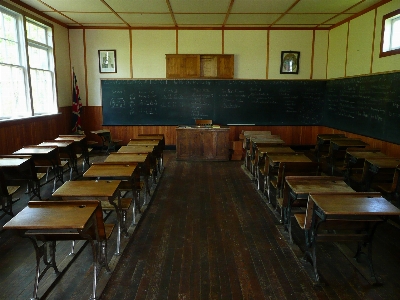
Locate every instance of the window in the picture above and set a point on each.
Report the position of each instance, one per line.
(390, 43)
(41, 63)
(27, 80)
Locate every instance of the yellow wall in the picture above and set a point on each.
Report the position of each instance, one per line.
(250, 50)
(199, 42)
(354, 46)
(148, 54)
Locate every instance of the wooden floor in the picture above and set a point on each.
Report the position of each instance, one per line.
(207, 234)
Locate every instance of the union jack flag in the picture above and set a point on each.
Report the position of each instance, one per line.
(76, 107)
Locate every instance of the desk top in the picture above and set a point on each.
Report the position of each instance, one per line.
(126, 157)
(75, 138)
(384, 162)
(144, 142)
(149, 137)
(88, 188)
(323, 138)
(314, 184)
(109, 170)
(276, 149)
(364, 154)
(353, 204)
(53, 215)
(136, 149)
(57, 143)
(348, 142)
(276, 158)
(31, 150)
(12, 162)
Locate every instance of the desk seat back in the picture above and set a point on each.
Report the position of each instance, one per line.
(296, 169)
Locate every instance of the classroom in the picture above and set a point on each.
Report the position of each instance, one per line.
(152, 68)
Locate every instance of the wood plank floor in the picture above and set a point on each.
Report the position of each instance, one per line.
(208, 234)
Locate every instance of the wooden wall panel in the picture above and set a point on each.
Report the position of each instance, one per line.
(31, 131)
(16, 134)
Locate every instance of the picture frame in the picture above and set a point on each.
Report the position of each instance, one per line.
(290, 62)
(107, 61)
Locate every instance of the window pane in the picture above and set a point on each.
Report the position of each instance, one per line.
(13, 102)
(8, 27)
(38, 58)
(42, 92)
(396, 34)
(36, 33)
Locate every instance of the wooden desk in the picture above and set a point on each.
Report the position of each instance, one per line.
(154, 163)
(106, 139)
(255, 142)
(66, 153)
(323, 141)
(136, 149)
(262, 164)
(80, 146)
(144, 142)
(355, 158)
(274, 159)
(123, 172)
(155, 136)
(47, 157)
(143, 164)
(297, 189)
(337, 150)
(102, 190)
(345, 211)
(210, 144)
(21, 169)
(49, 221)
(379, 170)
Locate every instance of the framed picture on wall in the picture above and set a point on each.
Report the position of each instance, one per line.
(290, 62)
(108, 61)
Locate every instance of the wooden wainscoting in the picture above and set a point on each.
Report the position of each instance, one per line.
(31, 131)
(18, 133)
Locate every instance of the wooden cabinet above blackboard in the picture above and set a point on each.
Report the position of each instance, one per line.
(200, 66)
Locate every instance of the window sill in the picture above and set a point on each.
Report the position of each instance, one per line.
(26, 119)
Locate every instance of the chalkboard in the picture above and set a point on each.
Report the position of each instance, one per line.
(180, 102)
(366, 105)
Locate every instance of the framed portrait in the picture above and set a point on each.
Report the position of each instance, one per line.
(290, 62)
(108, 61)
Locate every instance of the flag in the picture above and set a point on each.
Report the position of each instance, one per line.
(76, 106)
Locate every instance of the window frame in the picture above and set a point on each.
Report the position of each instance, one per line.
(26, 17)
(385, 18)
(49, 48)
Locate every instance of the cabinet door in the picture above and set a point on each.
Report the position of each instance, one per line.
(225, 66)
(183, 66)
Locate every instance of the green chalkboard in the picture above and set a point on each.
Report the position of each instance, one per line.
(366, 105)
(180, 102)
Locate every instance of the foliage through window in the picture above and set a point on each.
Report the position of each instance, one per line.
(27, 78)
(391, 34)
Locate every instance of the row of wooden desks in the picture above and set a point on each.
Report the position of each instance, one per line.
(119, 171)
(326, 207)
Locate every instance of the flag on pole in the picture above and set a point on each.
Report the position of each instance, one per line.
(76, 106)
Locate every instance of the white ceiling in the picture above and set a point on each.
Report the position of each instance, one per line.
(200, 13)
